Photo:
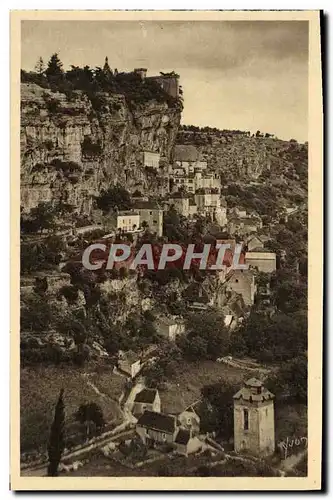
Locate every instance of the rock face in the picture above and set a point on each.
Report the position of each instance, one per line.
(72, 147)
(240, 157)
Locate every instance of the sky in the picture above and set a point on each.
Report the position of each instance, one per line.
(246, 75)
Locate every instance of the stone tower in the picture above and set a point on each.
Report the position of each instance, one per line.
(254, 419)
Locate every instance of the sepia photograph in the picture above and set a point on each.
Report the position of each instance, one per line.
(166, 250)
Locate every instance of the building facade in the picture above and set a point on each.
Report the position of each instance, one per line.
(265, 262)
(254, 430)
(128, 220)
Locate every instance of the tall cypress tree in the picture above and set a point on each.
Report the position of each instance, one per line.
(57, 437)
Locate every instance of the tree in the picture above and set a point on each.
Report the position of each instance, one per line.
(54, 71)
(43, 216)
(57, 437)
(291, 380)
(88, 414)
(206, 337)
(40, 66)
(218, 397)
(115, 197)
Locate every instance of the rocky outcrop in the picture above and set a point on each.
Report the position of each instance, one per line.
(73, 146)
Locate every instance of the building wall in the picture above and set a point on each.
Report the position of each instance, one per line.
(151, 159)
(259, 439)
(190, 421)
(126, 222)
(267, 430)
(169, 84)
(154, 219)
(242, 284)
(221, 216)
(161, 437)
(207, 200)
(263, 265)
(181, 205)
(140, 408)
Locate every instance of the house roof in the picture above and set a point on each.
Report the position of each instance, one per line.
(158, 421)
(248, 395)
(126, 212)
(183, 436)
(146, 205)
(146, 396)
(260, 255)
(186, 153)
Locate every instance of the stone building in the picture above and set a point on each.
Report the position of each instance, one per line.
(147, 399)
(151, 159)
(152, 214)
(254, 430)
(242, 281)
(265, 262)
(128, 220)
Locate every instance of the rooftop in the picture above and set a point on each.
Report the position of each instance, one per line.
(158, 421)
(146, 205)
(146, 396)
(122, 213)
(260, 255)
(254, 391)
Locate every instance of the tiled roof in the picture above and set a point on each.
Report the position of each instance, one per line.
(183, 436)
(248, 392)
(157, 421)
(146, 396)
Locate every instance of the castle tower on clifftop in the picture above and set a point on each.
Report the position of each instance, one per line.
(254, 419)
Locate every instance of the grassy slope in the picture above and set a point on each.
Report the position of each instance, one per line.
(184, 388)
(40, 387)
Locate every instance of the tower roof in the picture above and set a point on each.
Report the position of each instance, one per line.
(254, 391)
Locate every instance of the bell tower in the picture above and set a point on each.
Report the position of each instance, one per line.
(254, 419)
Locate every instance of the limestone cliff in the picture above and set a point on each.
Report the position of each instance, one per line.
(74, 146)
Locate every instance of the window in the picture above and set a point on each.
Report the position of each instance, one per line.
(150, 213)
(154, 221)
(246, 419)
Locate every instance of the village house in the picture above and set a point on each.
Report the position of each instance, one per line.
(154, 427)
(242, 281)
(190, 421)
(128, 220)
(151, 216)
(244, 225)
(129, 363)
(147, 399)
(188, 158)
(185, 443)
(159, 428)
(151, 159)
(170, 328)
(254, 242)
(254, 430)
(264, 261)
